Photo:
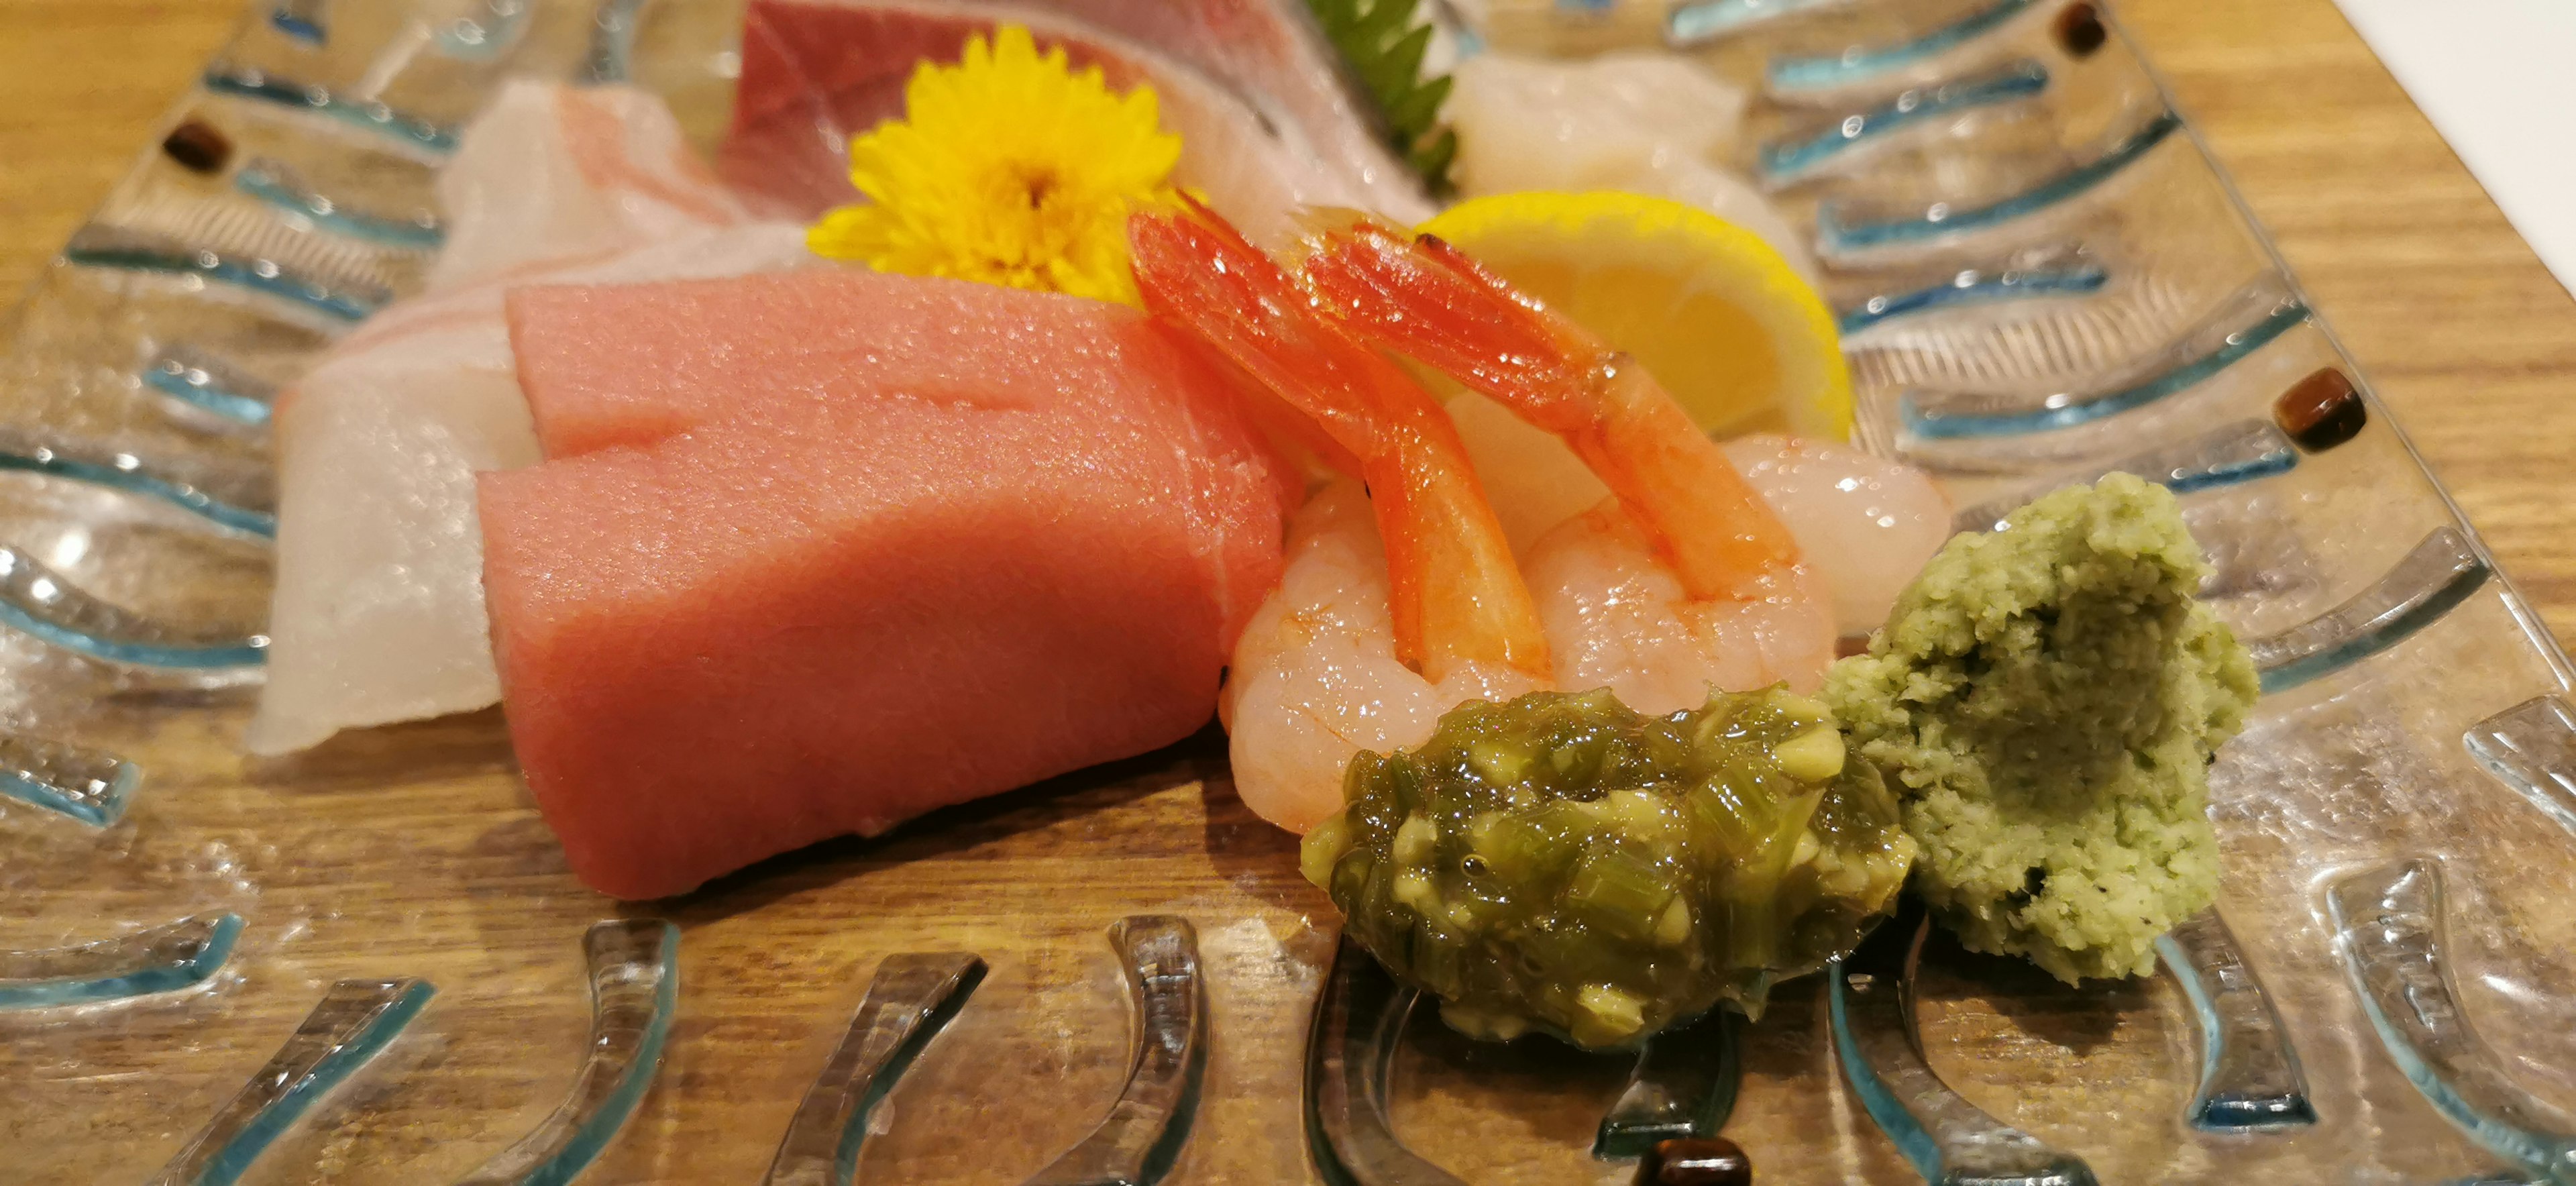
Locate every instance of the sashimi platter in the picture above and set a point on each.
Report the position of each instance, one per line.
(1140, 592)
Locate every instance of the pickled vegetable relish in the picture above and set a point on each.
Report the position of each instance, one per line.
(1560, 863)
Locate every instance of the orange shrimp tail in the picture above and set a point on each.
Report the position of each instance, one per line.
(1454, 593)
(1426, 299)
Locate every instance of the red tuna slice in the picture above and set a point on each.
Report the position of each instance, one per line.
(815, 74)
(627, 365)
(829, 618)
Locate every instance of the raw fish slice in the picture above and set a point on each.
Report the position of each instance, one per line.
(552, 172)
(378, 610)
(1640, 122)
(1271, 52)
(378, 613)
(815, 74)
(627, 365)
(827, 617)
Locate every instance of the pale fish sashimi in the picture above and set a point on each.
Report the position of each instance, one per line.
(1645, 123)
(378, 611)
(1272, 53)
(551, 172)
(816, 74)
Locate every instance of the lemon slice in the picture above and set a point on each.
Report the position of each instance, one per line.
(1710, 309)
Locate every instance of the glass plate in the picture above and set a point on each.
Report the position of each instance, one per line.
(369, 964)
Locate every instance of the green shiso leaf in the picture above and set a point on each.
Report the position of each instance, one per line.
(1384, 49)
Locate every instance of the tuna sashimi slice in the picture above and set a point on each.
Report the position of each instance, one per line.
(627, 364)
(816, 73)
(832, 617)
(630, 364)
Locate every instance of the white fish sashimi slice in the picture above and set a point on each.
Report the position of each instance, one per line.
(1271, 53)
(379, 598)
(1640, 122)
(817, 72)
(549, 172)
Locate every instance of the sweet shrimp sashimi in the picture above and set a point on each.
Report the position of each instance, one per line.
(1372, 634)
(1865, 523)
(1686, 579)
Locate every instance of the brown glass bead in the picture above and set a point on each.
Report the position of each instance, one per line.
(1714, 1161)
(2079, 29)
(198, 147)
(2321, 411)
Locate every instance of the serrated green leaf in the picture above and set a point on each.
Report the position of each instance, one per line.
(1384, 49)
(1416, 114)
(1432, 158)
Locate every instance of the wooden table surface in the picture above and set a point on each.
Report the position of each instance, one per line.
(2450, 313)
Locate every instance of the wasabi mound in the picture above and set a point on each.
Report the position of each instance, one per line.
(2046, 700)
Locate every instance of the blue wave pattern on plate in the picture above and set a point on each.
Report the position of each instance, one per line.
(1836, 235)
(1950, 1141)
(1861, 63)
(126, 472)
(2531, 748)
(275, 184)
(1350, 1054)
(613, 26)
(2389, 926)
(910, 999)
(1683, 1086)
(488, 34)
(356, 1020)
(2249, 1072)
(103, 247)
(1973, 289)
(38, 602)
(2255, 318)
(259, 85)
(1705, 21)
(634, 994)
(90, 787)
(304, 20)
(207, 385)
(2441, 572)
(1791, 159)
(159, 959)
(2240, 452)
(1137, 1143)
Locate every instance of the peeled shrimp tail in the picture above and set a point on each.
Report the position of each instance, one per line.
(1424, 298)
(1455, 596)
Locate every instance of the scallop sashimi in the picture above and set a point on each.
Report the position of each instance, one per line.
(1642, 122)
(825, 617)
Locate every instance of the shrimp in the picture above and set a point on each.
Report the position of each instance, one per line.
(1383, 620)
(1685, 578)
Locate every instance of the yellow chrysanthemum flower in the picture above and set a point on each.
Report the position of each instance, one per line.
(1008, 168)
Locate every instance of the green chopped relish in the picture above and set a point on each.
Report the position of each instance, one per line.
(1562, 864)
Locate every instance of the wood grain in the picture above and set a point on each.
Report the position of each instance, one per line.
(415, 852)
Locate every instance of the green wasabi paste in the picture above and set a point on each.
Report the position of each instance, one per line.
(2046, 700)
